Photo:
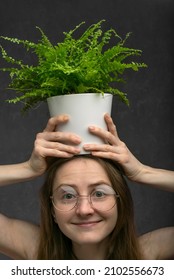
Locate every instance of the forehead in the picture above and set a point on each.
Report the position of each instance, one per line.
(81, 171)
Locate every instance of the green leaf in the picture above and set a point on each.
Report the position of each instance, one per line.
(94, 61)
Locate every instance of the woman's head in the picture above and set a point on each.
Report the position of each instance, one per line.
(85, 178)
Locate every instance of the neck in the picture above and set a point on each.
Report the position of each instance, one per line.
(90, 251)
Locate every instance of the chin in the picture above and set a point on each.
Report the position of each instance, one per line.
(87, 240)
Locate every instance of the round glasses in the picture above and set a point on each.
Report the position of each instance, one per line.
(102, 197)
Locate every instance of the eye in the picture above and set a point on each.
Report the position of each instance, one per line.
(99, 194)
(102, 191)
(68, 196)
(66, 192)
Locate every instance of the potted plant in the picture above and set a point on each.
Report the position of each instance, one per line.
(85, 65)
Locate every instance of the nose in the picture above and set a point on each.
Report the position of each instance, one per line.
(84, 206)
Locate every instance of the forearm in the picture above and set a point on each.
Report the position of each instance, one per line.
(117, 151)
(47, 144)
(15, 173)
(155, 177)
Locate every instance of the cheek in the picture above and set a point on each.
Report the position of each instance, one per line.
(61, 218)
(112, 218)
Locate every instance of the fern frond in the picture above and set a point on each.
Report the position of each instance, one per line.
(27, 44)
(44, 40)
(85, 63)
(9, 59)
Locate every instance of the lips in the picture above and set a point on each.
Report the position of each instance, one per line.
(86, 223)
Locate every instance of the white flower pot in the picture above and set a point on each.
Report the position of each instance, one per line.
(84, 110)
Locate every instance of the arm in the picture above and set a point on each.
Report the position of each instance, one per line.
(18, 239)
(133, 168)
(14, 173)
(161, 178)
(48, 143)
(158, 244)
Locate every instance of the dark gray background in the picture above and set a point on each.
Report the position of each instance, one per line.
(146, 126)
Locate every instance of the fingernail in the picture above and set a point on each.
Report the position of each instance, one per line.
(91, 127)
(86, 146)
(77, 139)
(107, 115)
(65, 118)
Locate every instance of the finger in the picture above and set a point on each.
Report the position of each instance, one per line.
(108, 155)
(46, 149)
(104, 151)
(55, 121)
(102, 148)
(110, 125)
(58, 137)
(107, 136)
(107, 151)
(58, 153)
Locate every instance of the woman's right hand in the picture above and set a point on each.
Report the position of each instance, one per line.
(50, 143)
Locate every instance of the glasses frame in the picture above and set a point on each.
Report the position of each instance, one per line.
(89, 200)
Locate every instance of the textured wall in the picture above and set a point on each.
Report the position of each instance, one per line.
(146, 126)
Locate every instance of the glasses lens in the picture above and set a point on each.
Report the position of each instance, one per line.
(103, 202)
(64, 198)
(102, 198)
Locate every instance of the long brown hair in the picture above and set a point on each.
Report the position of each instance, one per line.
(123, 241)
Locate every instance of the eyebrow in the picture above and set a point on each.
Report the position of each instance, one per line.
(102, 182)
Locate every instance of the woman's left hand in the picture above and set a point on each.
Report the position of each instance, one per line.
(114, 149)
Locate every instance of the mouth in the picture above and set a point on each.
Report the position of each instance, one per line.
(87, 224)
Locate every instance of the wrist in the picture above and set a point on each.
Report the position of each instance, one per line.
(16, 173)
(139, 173)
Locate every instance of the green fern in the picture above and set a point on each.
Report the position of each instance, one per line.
(85, 64)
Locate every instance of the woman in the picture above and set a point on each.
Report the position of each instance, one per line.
(75, 226)
(20, 239)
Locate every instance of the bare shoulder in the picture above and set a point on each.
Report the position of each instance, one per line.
(18, 239)
(158, 244)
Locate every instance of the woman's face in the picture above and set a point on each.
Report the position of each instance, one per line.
(84, 224)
